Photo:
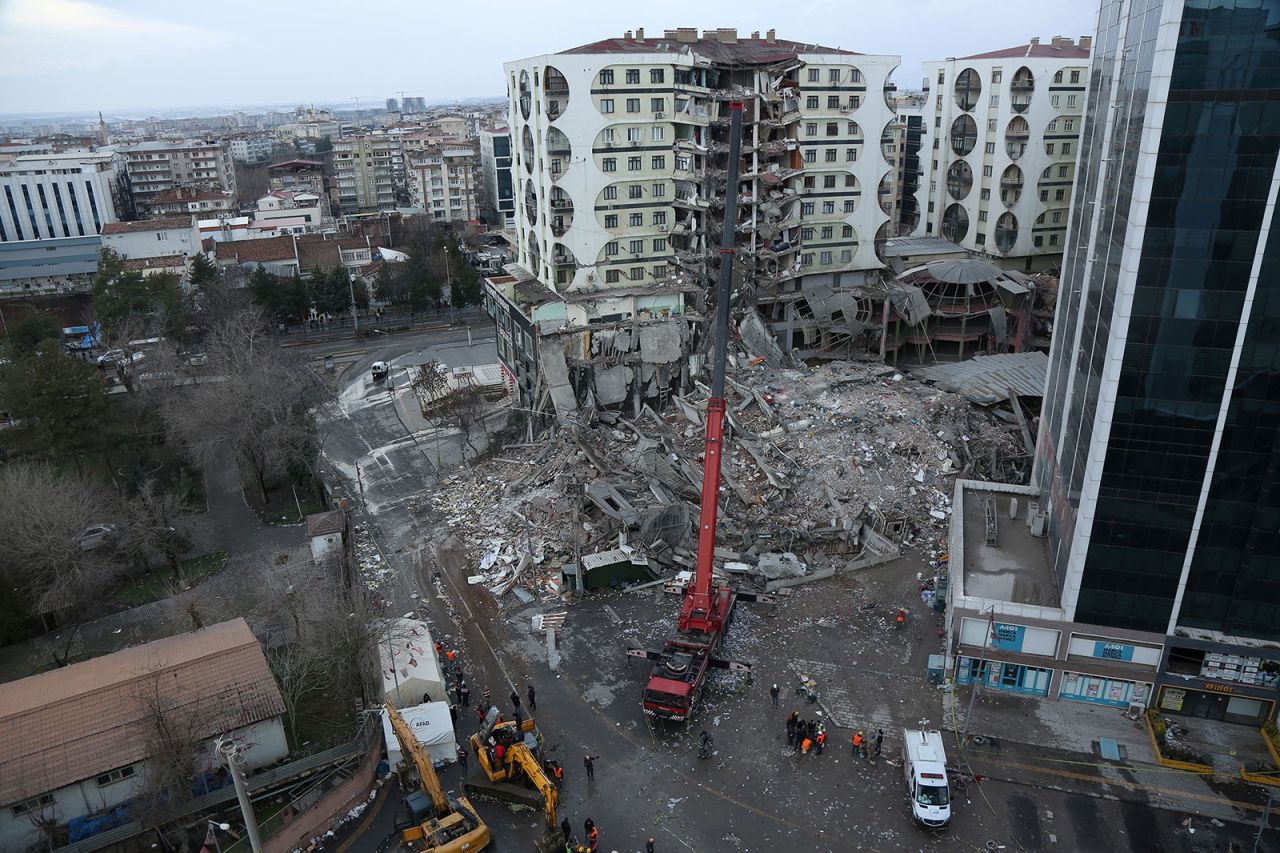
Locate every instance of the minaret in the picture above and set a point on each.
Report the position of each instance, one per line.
(103, 138)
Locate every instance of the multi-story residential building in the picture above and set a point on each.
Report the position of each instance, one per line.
(251, 149)
(499, 205)
(298, 176)
(157, 166)
(445, 181)
(1157, 469)
(72, 194)
(1003, 130)
(203, 202)
(620, 151)
(415, 105)
(901, 144)
(393, 105)
(368, 170)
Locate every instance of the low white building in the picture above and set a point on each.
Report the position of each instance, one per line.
(288, 205)
(77, 741)
(152, 238)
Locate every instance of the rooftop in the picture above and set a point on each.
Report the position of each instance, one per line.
(1016, 568)
(164, 223)
(168, 145)
(719, 45)
(74, 723)
(1058, 48)
(183, 194)
(297, 165)
(164, 262)
(257, 251)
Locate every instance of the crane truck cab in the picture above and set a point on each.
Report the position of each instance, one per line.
(924, 762)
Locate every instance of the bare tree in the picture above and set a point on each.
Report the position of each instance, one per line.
(430, 383)
(175, 724)
(258, 407)
(464, 410)
(301, 669)
(151, 531)
(58, 540)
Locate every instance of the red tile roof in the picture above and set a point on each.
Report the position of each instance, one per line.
(755, 51)
(318, 255)
(257, 251)
(164, 223)
(74, 723)
(164, 262)
(1035, 51)
(185, 194)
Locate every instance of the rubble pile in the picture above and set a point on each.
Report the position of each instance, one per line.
(824, 467)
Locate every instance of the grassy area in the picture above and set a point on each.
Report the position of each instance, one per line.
(284, 503)
(160, 583)
(324, 720)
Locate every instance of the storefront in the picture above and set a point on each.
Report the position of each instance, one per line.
(1224, 702)
(1000, 675)
(1079, 687)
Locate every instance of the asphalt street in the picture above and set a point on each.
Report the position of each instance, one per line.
(755, 793)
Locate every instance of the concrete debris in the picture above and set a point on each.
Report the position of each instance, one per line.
(826, 469)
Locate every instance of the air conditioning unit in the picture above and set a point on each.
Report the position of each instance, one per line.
(662, 228)
(610, 144)
(659, 115)
(846, 108)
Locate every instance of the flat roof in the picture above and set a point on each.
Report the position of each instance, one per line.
(1017, 567)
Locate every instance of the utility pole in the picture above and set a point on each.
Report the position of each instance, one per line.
(1266, 819)
(448, 279)
(230, 752)
(355, 313)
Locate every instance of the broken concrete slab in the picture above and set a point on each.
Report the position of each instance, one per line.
(660, 343)
(759, 340)
(611, 502)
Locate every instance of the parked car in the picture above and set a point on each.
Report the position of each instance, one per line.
(96, 535)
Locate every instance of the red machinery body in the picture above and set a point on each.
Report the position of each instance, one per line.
(679, 672)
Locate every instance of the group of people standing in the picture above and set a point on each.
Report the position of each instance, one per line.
(804, 736)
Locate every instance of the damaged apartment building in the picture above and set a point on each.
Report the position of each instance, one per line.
(620, 150)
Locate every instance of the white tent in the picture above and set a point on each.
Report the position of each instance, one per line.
(432, 725)
(409, 664)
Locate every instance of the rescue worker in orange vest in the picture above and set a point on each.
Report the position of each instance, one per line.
(594, 837)
(822, 739)
(901, 618)
(805, 745)
(857, 744)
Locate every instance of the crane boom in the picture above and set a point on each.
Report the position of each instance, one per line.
(422, 761)
(706, 609)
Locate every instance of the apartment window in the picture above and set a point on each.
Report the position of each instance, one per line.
(931, 209)
(1066, 148)
(1062, 171)
(1060, 195)
(850, 155)
(980, 239)
(833, 102)
(635, 191)
(1037, 241)
(824, 257)
(995, 101)
(1053, 100)
(833, 75)
(659, 190)
(831, 154)
(828, 181)
(1069, 124)
(611, 249)
(636, 247)
(1057, 216)
(806, 234)
(996, 73)
(606, 135)
(1044, 195)
(659, 272)
(606, 105)
(833, 128)
(635, 164)
(633, 105)
(659, 217)
(611, 220)
(612, 276)
(849, 205)
(635, 220)
(1075, 76)
(810, 182)
(114, 776)
(990, 148)
(811, 128)
(1053, 239)
(846, 255)
(610, 193)
(657, 133)
(634, 134)
(806, 208)
(656, 75)
(1048, 148)
(806, 260)
(555, 169)
(658, 161)
(933, 186)
(991, 125)
(1057, 78)
(815, 75)
(846, 231)
(985, 195)
(855, 101)
(827, 232)
(637, 273)
(986, 171)
(811, 102)
(660, 244)
(606, 77)
(657, 104)
(982, 216)
(811, 155)
(937, 120)
(609, 164)
(633, 75)
(828, 207)
(34, 804)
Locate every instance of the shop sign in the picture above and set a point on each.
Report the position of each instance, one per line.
(1220, 688)
(1171, 699)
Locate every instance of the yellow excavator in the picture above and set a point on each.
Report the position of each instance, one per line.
(519, 775)
(430, 822)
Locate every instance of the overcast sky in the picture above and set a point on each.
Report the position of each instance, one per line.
(78, 55)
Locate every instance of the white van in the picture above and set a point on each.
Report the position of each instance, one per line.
(380, 370)
(924, 762)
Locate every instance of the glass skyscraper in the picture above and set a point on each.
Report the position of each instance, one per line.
(1158, 459)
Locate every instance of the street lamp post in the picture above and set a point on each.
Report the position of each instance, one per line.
(212, 833)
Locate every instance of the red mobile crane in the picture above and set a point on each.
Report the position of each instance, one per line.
(679, 670)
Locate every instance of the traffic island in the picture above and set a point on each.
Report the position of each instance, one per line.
(1169, 752)
(1264, 773)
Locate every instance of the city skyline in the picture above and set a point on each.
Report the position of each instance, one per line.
(75, 56)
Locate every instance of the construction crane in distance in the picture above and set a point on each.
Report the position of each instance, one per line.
(429, 821)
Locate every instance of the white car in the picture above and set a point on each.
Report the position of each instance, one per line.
(380, 369)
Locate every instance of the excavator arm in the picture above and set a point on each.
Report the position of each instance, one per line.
(410, 746)
(520, 755)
